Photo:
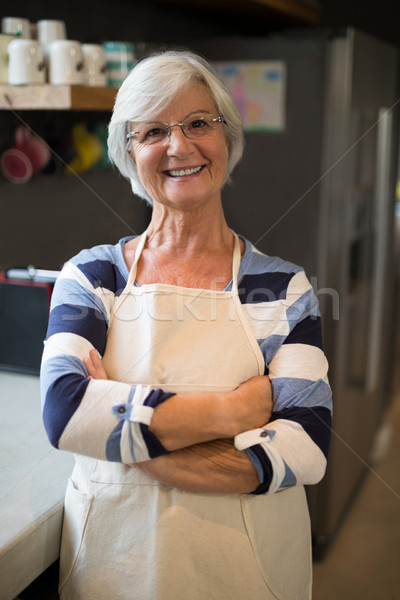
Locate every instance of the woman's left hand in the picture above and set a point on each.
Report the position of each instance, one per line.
(213, 467)
(94, 366)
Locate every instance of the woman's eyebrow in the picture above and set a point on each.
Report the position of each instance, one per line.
(193, 112)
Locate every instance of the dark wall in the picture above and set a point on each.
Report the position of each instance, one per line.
(137, 20)
(377, 18)
(149, 20)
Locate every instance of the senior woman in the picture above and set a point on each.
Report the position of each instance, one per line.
(190, 459)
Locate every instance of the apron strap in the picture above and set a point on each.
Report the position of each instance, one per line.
(138, 252)
(237, 257)
(131, 277)
(235, 262)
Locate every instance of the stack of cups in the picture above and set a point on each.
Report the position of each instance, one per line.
(63, 57)
(49, 30)
(54, 58)
(21, 58)
(120, 58)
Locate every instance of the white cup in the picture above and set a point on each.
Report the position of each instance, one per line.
(65, 60)
(5, 40)
(16, 26)
(49, 30)
(95, 67)
(26, 62)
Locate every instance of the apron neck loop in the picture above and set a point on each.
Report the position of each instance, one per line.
(235, 262)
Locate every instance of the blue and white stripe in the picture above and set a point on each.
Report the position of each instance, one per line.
(283, 313)
(109, 420)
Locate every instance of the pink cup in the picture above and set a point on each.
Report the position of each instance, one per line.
(28, 156)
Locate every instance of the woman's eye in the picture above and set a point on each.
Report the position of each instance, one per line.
(198, 124)
(155, 132)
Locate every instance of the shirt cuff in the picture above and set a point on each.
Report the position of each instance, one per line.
(142, 443)
(253, 442)
(263, 466)
(251, 438)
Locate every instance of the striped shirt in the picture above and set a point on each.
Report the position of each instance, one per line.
(110, 420)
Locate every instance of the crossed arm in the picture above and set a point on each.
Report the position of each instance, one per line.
(198, 432)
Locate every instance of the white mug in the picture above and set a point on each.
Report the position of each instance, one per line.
(95, 68)
(26, 62)
(65, 61)
(5, 40)
(49, 30)
(16, 26)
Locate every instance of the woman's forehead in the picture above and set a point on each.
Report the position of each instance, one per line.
(191, 99)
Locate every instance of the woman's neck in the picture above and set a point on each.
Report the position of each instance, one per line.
(188, 233)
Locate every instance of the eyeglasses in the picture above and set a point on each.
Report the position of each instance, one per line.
(195, 126)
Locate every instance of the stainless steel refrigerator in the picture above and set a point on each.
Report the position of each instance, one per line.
(319, 190)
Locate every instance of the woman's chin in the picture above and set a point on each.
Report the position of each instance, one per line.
(187, 194)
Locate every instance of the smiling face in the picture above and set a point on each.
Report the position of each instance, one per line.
(184, 172)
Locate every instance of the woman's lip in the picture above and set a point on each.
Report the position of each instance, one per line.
(184, 171)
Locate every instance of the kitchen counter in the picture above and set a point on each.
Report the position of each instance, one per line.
(33, 479)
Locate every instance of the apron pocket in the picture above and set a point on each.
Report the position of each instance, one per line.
(76, 512)
(278, 527)
(119, 474)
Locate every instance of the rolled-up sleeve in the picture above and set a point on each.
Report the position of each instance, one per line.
(104, 419)
(292, 448)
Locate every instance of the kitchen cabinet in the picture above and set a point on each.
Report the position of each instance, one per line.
(56, 97)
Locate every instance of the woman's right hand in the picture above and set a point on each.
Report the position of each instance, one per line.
(94, 366)
(251, 404)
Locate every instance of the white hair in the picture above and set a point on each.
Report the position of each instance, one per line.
(150, 86)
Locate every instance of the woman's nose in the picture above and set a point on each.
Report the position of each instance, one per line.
(177, 141)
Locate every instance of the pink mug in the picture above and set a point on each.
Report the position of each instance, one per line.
(29, 155)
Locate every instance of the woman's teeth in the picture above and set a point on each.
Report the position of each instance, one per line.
(182, 172)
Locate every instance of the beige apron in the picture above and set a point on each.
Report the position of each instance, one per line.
(127, 537)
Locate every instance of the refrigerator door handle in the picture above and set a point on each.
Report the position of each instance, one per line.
(383, 207)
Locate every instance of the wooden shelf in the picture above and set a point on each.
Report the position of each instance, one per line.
(56, 97)
(302, 12)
